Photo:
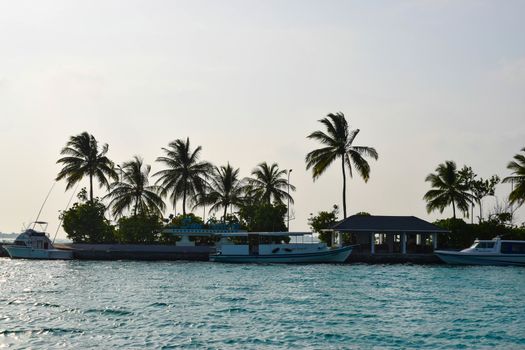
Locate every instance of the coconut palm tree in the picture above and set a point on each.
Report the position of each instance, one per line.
(269, 183)
(517, 196)
(224, 189)
(185, 175)
(338, 143)
(133, 190)
(84, 157)
(448, 187)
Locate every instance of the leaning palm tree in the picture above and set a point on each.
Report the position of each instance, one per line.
(185, 175)
(83, 157)
(224, 189)
(517, 196)
(269, 182)
(133, 191)
(448, 188)
(338, 143)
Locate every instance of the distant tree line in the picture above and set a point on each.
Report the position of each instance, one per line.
(256, 203)
(463, 190)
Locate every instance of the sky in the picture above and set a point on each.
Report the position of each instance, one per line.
(425, 81)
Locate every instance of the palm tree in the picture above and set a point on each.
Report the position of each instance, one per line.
(338, 141)
(268, 182)
(133, 190)
(185, 175)
(517, 196)
(448, 188)
(224, 189)
(83, 157)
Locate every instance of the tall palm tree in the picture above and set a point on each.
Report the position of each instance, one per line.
(448, 188)
(83, 157)
(225, 188)
(517, 196)
(269, 182)
(185, 174)
(133, 190)
(338, 143)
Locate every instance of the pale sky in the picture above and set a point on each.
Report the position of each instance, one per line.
(425, 81)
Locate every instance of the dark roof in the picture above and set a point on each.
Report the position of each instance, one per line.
(378, 224)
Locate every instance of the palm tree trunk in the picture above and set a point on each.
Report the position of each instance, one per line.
(184, 200)
(480, 212)
(91, 188)
(225, 209)
(454, 208)
(344, 186)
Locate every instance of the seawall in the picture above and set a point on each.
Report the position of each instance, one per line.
(137, 252)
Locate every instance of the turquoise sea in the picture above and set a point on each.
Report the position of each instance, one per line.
(171, 305)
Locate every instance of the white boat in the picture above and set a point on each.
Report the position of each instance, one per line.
(487, 252)
(268, 247)
(32, 244)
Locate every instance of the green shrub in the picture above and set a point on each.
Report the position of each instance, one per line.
(139, 229)
(324, 220)
(84, 222)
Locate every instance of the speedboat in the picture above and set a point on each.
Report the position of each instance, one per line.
(33, 244)
(272, 247)
(487, 252)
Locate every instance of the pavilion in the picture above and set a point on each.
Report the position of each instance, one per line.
(388, 234)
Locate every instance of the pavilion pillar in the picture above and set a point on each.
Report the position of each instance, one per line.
(372, 243)
(435, 240)
(339, 239)
(404, 243)
(390, 241)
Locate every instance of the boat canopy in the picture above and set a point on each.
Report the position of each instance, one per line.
(268, 234)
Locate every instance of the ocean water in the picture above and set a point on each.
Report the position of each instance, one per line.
(172, 305)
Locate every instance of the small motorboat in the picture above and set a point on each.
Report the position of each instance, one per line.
(270, 247)
(33, 244)
(487, 252)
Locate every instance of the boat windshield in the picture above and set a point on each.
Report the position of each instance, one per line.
(483, 245)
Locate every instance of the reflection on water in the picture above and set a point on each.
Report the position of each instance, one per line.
(204, 305)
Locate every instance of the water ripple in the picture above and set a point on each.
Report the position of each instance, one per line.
(172, 305)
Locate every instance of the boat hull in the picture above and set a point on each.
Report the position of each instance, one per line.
(459, 258)
(16, 252)
(329, 256)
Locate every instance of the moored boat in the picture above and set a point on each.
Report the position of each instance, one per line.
(271, 247)
(33, 244)
(487, 252)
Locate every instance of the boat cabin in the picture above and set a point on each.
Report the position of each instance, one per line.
(34, 239)
(496, 246)
(267, 243)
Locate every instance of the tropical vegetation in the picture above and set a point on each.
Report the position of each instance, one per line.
(185, 175)
(322, 221)
(225, 189)
(143, 228)
(133, 191)
(83, 157)
(269, 183)
(256, 203)
(263, 217)
(85, 221)
(338, 143)
(448, 188)
(517, 166)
